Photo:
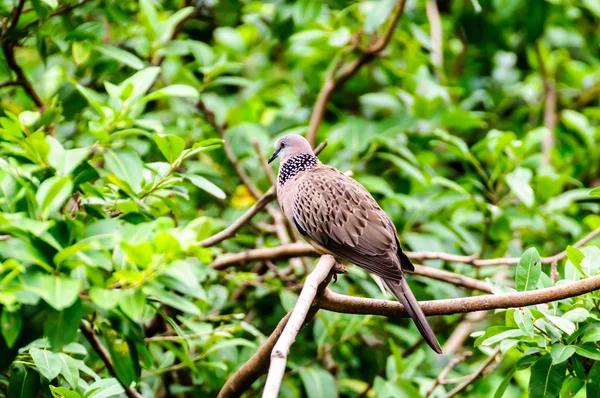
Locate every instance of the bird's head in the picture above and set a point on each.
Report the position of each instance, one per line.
(289, 146)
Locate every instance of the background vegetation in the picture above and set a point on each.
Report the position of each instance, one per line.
(474, 124)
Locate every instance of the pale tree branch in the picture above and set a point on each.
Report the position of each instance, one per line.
(305, 301)
(98, 347)
(550, 99)
(435, 32)
(335, 80)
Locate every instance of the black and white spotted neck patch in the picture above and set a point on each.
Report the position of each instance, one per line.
(296, 164)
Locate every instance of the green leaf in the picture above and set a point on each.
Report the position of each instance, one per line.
(205, 185)
(132, 303)
(504, 383)
(561, 353)
(69, 370)
(595, 191)
(518, 181)
(576, 256)
(127, 166)
(149, 12)
(65, 161)
(61, 326)
(577, 315)
(318, 383)
(563, 324)
(378, 15)
(52, 195)
(11, 326)
(592, 387)
(588, 351)
(24, 382)
(140, 83)
(592, 335)
(47, 362)
(174, 90)
(546, 378)
(60, 292)
(104, 388)
(171, 146)
(125, 57)
(528, 270)
(105, 298)
(524, 321)
(172, 300)
(63, 392)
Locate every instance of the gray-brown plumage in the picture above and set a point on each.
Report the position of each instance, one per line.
(339, 216)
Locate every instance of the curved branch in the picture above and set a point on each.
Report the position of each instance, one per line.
(333, 81)
(357, 305)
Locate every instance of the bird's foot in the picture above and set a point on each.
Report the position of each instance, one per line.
(338, 269)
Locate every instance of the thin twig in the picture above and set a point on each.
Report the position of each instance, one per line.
(447, 369)
(9, 83)
(550, 99)
(333, 81)
(98, 347)
(475, 375)
(288, 336)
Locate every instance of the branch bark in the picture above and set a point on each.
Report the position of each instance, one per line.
(458, 389)
(302, 249)
(357, 305)
(550, 99)
(299, 314)
(8, 48)
(98, 347)
(333, 81)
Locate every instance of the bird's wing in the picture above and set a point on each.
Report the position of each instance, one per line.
(341, 215)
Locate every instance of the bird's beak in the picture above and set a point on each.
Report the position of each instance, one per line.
(274, 155)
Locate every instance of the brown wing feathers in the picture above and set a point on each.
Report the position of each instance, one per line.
(341, 215)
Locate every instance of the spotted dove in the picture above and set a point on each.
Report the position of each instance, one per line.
(338, 216)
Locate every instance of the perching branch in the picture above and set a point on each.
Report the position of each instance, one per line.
(335, 80)
(98, 347)
(242, 379)
(290, 331)
(447, 369)
(357, 305)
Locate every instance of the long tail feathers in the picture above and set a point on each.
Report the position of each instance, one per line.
(402, 291)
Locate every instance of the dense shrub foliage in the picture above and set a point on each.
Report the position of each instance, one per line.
(113, 168)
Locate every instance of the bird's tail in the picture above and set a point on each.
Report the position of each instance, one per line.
(402, 291)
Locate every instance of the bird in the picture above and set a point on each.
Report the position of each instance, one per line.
(338, 216)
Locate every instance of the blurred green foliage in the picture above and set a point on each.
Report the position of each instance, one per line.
(109, 182)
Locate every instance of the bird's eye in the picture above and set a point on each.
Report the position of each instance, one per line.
(283, 144)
